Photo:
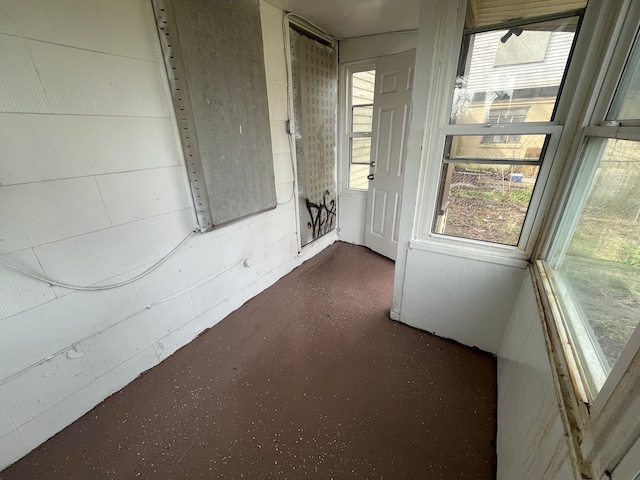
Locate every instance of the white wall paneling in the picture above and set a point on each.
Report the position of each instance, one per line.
(275, 63)
(88, 259)
(20, 293)
(274, 57)
(37, 213)
(13, 446)
(351, 221)
(93, 191)
(78, 81)
(241, 243)
(455, 297)
(35, 334)
(283, 167)
(531, 441)
(37, 148)
(119, 27)
(182, 271)
(280, 137)
(38, 429)
(279, 111)
(131, 196)
(134, 335)
(20, 86)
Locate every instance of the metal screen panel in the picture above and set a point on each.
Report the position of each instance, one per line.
(315, 82)
(214, 58)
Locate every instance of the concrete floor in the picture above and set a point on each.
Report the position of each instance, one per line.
(310, 379)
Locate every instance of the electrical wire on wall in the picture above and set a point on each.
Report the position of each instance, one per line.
(54, 283)
(148, 307)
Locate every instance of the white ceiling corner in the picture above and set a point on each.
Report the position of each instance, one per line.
(355, 18)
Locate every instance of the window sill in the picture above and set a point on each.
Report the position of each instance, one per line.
(567, 380)
(473, 250)
(605, 430)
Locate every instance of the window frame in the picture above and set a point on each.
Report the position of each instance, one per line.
(346, 133)
(596, 127)
(606, 422)
(429, 205)
(596, 433)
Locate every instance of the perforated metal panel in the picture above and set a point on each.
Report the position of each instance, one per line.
(315, 81)
(214, 59)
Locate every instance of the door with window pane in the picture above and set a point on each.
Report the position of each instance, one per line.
(391, 117)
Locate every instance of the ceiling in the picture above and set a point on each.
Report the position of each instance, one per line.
(481, 13)
(355, 18)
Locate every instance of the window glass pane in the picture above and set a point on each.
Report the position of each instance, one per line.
(513, 75)
(626, 103)
(496, 146)
(362, 86)
(360, 150)
(599, 272)
(358, 177)
(362, 118)
(361, 104)
(360, 158)
(486, 202)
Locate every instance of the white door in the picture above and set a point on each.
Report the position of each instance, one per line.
(391, 115)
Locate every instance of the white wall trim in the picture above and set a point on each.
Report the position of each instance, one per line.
(509, 256)
(441, 22)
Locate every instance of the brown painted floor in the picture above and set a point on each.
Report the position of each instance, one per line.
(310, 379)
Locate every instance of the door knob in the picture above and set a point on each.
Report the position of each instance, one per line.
(370, 176)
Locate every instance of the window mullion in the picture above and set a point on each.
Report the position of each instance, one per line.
(528, 128)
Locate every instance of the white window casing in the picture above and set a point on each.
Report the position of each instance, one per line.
(345, 123)
(424, 233)
(603, 430)
(604, 423)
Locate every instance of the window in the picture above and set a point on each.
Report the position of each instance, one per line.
(501, 128)
(594, 263)
(360, 106)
